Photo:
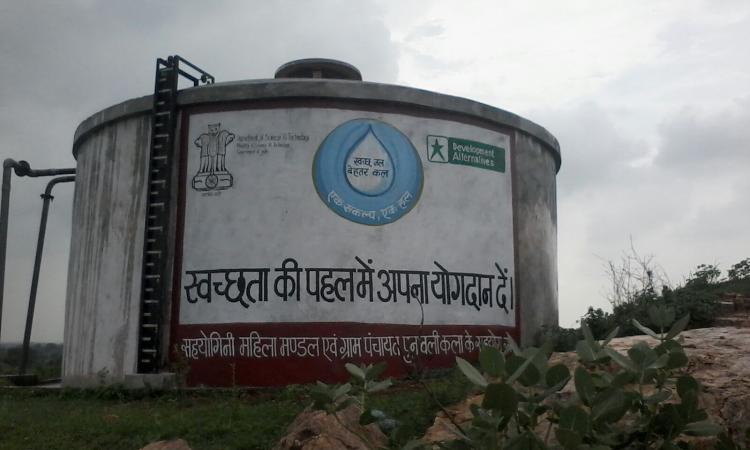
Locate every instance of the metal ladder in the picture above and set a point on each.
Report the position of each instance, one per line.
(161, 162)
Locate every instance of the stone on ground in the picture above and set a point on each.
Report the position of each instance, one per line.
(316, 430)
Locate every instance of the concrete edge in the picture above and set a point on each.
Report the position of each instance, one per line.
(322, 89)
(159, 381)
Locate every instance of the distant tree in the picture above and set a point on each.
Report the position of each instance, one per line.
(704, 275)
(633, 277)
(740, 271)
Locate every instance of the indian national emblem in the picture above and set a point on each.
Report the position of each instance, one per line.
(212, 173)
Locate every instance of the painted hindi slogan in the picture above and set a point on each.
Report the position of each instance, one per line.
(333, 348)
(289, 281)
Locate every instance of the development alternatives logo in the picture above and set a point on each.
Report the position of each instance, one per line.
(368, 171)
(450, 150)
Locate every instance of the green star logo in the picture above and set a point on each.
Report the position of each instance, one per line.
(437, 149)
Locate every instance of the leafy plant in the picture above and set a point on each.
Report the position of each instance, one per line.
(640, 399)
(363, 383)
(635, 400)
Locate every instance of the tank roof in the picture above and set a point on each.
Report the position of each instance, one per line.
(301, 89)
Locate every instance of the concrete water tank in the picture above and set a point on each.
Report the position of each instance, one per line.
(315, 219)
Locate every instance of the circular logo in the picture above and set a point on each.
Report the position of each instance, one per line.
(368, 171)
(212, 181)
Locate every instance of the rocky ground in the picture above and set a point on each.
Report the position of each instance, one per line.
(719, 359)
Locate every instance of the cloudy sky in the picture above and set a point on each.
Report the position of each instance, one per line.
(650, 101)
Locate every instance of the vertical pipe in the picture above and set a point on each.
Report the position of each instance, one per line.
(4, 207)
(22, 169)
(47, 198)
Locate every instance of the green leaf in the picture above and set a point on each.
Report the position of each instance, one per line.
(585, 352)
(341, 391)
(677, 360)
(661, 316)
(584, 385)
(669, 346)
(523, 441)
(539, 356)
(645, 329)
(569, 439)
(703, 428)
(556, 375)
(687, 386)
(500, 397)
(576, 419)
(641, 354)
(379, 386)
(512, 344)
(620, 359)
(367, 418)
(492, 361)
(612, 334)
(659, 363)
(609, 406)
(414, 444)
(530, 376)
(522, 369)
(470, 372)
(373, 372)
(356, 371)
(623, 379)
(589, 337)
(658, 397)
(678, 326)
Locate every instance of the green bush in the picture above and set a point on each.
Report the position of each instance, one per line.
(560, 339)
(637, 400)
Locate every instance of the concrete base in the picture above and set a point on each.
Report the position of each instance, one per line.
(164, 380)
(22, 380)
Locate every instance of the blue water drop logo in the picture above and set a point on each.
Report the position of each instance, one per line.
(368, 171)
(369, 166)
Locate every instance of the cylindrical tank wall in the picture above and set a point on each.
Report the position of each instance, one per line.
(536, 235)
(112, 149)
(101, 317)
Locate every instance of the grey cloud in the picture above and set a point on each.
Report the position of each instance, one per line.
(707, 143)
(594, 152)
